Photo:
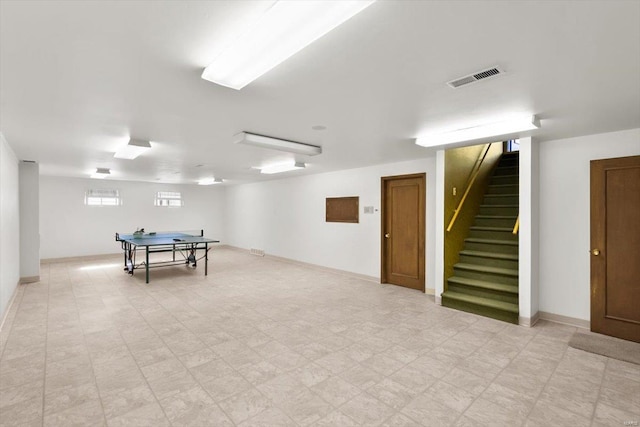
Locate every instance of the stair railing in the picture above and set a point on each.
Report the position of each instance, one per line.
(456, 212)
(516, 227)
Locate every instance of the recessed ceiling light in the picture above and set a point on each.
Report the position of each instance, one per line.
(276, 144)
(282, 167)
(513, 124)
(284, 29)
(210, 181)
(319, 127)
(101, 173)
(133, 149)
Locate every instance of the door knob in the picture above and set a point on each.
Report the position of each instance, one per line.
(387, 235)
(595, 252)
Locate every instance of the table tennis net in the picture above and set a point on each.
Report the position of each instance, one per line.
(162, 234)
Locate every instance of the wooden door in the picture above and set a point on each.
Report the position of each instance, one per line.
(403, 230)
(615, 247)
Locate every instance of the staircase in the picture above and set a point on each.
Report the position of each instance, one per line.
(485, 280)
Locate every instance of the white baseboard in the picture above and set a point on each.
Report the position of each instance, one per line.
(438, 299)
(8, 309)
(29, 279)
(565, 320)
(529, 321)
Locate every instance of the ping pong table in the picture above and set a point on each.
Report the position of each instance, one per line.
(185, 244)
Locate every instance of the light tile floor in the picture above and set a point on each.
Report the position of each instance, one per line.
(261, 342)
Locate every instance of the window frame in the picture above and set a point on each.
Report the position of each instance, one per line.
(97, 197)
(168, 199)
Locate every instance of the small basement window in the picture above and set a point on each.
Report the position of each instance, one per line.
(169, 198)
(102, 198)
(511, 145)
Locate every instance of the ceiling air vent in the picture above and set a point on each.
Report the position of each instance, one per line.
(480, 75)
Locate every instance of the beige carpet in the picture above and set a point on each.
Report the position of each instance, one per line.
(628, 351)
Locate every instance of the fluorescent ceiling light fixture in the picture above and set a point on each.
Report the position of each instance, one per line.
(282, 167)
(514, 124)
(283, 30)
(133, 149)
(101, 173)
(210, 181)
(276, 144)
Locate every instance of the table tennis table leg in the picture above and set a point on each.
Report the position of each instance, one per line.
(146, 265)
(206, 257)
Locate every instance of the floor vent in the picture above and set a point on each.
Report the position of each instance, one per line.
(472, 78)
(256, 252)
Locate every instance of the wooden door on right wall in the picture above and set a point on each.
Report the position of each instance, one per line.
(615, 247)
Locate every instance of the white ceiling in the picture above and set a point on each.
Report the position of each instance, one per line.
(77, 78)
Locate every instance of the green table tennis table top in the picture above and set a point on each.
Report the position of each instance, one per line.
(159, 239)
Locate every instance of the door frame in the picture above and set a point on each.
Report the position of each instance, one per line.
(421, 225)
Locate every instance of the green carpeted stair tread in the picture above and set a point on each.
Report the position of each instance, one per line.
(500, 199)
(497, 220)
(505, 167)
(510, 176)
(483, 284)
(499, 206)
(486, 269)
(511, 188)
(502, 185)
(486, 228)
(492, 241)
(480, 301)
(482, 254)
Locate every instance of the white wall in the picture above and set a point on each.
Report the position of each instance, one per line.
(69, 228)
(9, 225)
(29, 176)
(528, 252)
(439, 229)
(564, 217)
(286, 217)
